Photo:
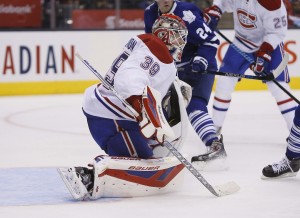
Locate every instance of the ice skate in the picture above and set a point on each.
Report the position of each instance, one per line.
(79, 181)
(218, 130)
(282, 169)
(214, 159)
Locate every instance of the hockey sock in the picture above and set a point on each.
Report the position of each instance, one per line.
(224, 88)
(220, 108)
(293, 148)
(201, 121)
(285, 104)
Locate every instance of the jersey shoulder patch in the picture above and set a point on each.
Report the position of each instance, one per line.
(270, 5)
(157, 47)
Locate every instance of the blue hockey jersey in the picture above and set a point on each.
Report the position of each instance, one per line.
(201, 40)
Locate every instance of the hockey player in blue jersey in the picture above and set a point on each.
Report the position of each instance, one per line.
(198, 55)
(290, 164)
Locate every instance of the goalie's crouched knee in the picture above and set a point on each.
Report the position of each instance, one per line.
(133, 177)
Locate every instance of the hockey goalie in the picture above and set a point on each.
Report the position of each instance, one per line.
(120, 176)
(138, 106)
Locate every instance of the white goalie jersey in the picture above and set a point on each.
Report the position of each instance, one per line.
(145, 61)
(256, 22)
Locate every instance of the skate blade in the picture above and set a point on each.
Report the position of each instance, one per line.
(219, 164)
(286, 175)
(73, 183)
(227, 188)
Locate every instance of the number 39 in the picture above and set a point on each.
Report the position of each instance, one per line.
(280, 22)
(150, 65)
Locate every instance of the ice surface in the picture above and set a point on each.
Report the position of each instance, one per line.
(38, 133)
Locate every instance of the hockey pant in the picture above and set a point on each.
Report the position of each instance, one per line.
(225, 85)
(119, 137)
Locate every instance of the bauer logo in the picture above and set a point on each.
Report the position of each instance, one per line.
(143, 168)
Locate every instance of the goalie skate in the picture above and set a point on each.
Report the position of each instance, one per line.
(74, 180)
(214, 159)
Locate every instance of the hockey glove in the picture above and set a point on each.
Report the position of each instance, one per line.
(212, 15)
(263, 57)
(152, 121)
(199, 64)
(186, 91)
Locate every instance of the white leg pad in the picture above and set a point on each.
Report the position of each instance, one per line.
(133, 177)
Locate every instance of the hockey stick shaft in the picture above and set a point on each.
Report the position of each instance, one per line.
(190, 167)
(250, 60)
(268, 77)
(169, 146)
(264, 78)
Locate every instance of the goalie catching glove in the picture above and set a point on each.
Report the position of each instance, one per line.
(186, 91)
(152, 121)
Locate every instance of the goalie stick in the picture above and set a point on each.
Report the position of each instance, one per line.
(219, 191)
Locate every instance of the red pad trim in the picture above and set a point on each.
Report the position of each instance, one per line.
(159, 179)
(270, 5)
(150, 107)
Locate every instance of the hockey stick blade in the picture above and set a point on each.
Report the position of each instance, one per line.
(219, 191)
(226, 189)
(281, 66)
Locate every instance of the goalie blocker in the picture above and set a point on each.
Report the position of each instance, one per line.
(123, 177)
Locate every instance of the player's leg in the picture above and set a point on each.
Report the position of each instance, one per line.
(199, 116)
(198, 112)
(119, 138)
(235, 63)
(285, 103)
(290, 164)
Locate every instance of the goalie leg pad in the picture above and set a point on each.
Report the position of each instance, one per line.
(133, 177)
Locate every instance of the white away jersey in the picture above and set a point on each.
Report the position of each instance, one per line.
(256, 21)
(145, 60)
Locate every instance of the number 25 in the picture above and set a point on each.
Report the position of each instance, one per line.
(280, 22)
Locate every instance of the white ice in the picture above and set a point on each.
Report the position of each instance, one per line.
(51, 131)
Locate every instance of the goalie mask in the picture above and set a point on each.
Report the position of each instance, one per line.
(172, 30)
